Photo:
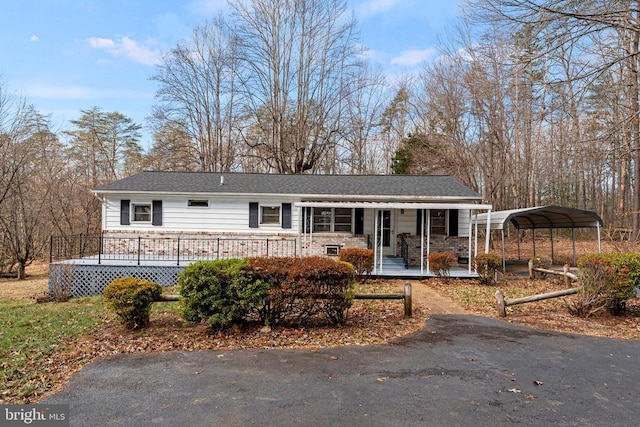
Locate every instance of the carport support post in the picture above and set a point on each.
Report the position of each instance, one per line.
(504, 256)
(488, 236)
(573, 245)
(533, 239)
(552, 252)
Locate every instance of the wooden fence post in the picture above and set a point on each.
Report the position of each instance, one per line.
(408, 310)
(502, 308)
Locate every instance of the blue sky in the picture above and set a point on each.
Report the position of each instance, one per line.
(68, 55)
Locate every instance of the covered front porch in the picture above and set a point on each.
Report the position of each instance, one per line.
(400, 233)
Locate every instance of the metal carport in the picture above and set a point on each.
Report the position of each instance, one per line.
(541, 217)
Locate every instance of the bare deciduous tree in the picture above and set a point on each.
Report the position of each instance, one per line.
(198, 94)
(294, 56)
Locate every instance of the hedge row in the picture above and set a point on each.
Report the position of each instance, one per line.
(273, 290)
(608, 281)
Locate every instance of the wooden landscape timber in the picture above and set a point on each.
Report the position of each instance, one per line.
(503, 303)
(405, 296)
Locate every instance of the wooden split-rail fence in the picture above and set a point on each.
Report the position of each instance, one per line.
(405, 297)
(503, 302)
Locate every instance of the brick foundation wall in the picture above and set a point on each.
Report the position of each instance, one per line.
(318, 242)
(161, 244)
(459, 246)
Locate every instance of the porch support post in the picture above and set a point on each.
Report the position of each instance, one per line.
(300, 230)
(422, 243)
(469, 243)
(310, 242)
(375, 241)
(487, 237)
(428, 238)
(533, 239)
(381, 239)
(599, 240)
(518, 240)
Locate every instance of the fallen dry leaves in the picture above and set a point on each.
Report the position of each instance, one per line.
(548, 314)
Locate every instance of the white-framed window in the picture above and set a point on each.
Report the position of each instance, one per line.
(342, 219)
(141, 212)
(270, 215)
(326, 220)
(198, 203)
(332, 250)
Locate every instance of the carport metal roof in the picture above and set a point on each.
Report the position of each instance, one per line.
(545, 217)
(541, 217)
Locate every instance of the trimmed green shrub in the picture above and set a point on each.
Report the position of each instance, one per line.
(487, 266)
(220, 292)
(361, 259)
(130, 299)
(441, 262)
(608, 281)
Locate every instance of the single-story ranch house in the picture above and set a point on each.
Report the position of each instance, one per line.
(183, 216)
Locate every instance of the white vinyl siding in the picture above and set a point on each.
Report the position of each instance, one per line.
(463, 223)
(224, 215)
(406, 222)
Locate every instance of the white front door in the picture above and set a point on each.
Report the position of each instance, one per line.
(388, 242)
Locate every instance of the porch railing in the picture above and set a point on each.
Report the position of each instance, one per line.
(168, 249)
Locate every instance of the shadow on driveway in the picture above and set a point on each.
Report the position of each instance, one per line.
(458, 371)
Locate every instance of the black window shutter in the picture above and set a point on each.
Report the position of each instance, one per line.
(453, 222)
(253, 215)
(156, 212)
(307, 225)
(418, 222)
(359, 226)
(124, 212)
(286, 215)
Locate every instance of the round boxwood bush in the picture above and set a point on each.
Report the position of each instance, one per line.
(130, 299)
(220, 292)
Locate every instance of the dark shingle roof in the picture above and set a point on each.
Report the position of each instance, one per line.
(358, 186)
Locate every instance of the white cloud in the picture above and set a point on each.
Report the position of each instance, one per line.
(128, 48)
(413, 57)
(101, 43)
(34, 38)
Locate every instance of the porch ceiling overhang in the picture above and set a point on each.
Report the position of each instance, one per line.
(541, 217)
(395, 205)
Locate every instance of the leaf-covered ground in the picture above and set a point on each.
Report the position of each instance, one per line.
(369, 322)
(549, 314)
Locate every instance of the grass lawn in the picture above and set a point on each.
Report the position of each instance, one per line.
(30, 333)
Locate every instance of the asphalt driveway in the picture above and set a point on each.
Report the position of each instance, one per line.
(458, 371)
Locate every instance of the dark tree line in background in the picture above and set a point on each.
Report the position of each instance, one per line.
(530, 103)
